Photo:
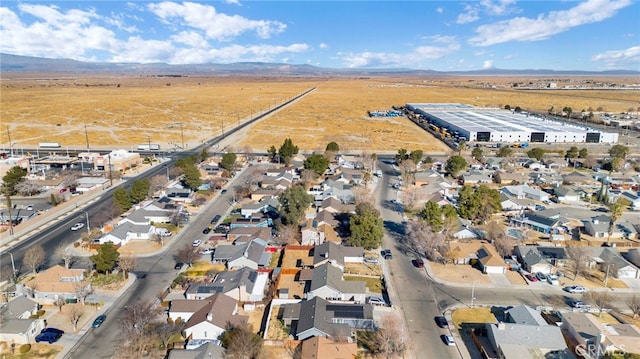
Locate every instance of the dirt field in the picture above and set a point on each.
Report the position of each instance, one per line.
(125, 111)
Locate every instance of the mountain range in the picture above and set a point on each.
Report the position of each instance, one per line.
(25, 64)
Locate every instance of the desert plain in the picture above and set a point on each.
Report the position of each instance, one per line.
(123, 111)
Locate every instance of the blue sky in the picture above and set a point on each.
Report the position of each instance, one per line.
(591, 35)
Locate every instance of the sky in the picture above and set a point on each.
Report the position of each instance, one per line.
(589, 35)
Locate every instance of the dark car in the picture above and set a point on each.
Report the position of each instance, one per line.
(207, 230)
(441, 322)
(215, 219)
(178, 265)
(419, 263)
(52, 330)
(386, 254)
(49, 337)
(99, 320)
(223, 191)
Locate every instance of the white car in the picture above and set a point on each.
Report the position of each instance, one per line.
(377, 301)
(206, 251)
(77, 226)
(448, 339)
(575, 289)
(197, 242)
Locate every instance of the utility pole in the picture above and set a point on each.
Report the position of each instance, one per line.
(86, 136)
(110, 175)
(182, 133)
(223, 128)
(10, 144)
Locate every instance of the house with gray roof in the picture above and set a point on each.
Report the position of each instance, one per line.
(15, 324)
(328, 283)
(128, 231)
(526, 334)
(609, 258)
(599, 227)
(251, 254)
(20, 307)
(317, 317)
(265, 205)
(633, 198)
(337, 254)
(542, 221)
(342, 191)
(144, 216)
(525, 191)
(541, 259)
(243, 285)
(566, 194)
(476, 177)
(247, 234)
(212, 319)
(209, 350)
(586, 330)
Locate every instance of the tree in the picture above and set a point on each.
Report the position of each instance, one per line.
(122, 199)
(272, 151)
(432, 214)
(402, 155)
(204, 154)
(139, 190)
(423, 240)
(583, 153)
(568, 110)
(616, 164)
(504, 152)
(67, 256)
(579, 256)
(106, 258)
(455, 164)
(478, 204)
(366, 227)
(156, 183)
(28, 188)
(416, 156)
(228, 161)
(634, 304)
(126, 264)
(572, 152)
(289, 234)
(187, 254)
(601, 300)
(619, 151)
(240, 342)
(192, 177)
(317, 163)
(287, 150)
(82, 289)
(537, 153)
(389, 341)
(615, 212)
(10, 180)
(75, 313)
(407, 168)
(34, 258)
(138, 316)
(477, 154)
(332, 147)
(294, 202)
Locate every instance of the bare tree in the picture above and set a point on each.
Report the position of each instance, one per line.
(600, 299)
(59, 302)
(157, 183)
(422, 239)
(75, 313)
(389, 341)
(28, 188)
(67, 256)
(126, 263)
(634, 304)
(34, 257)
(289, 234)
(82, 288)
(165, 331)
(308, 178)
(363, 195)
(141, 345)
(187, 254)
(412, 197)
(241, 342)
(407, 168)
(578, 256)
(138, 316)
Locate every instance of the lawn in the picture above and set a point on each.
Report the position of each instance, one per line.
(373, 284)
(38, 351)
(472, 315)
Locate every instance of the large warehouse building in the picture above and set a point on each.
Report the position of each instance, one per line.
(498, 125)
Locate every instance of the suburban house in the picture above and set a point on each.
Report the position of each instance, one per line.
(246, 234)
(128, 231)
(477, 177)
(56, 282)
(586, 330)
(212, 318)
(342, 191)
(633, 198)
(599, 227)
(325, 348)
(510, 203)
(208, 350)
(261, 193)
(332, 204)
(524, 191)
(145, 216)
(566, 194)
(312, 233)
(327, 282)
(337, 254)
(250, 254)
(243, 285)
(257, 220)
(541, 259)
(184, 195)
(350, 161)
(16, 326)
(542, 221)
(490, 261)
(525, 334)
(265, 205)
(609, 258)
(466, 230)
(317, 317)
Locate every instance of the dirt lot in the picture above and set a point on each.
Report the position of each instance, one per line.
(458, 273)
(118, 111)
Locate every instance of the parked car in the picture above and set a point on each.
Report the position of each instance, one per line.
(48, 336)
(419, 263)
(541, 276)
(223, 191)
(77, 226)
(578, 304)
(448, 340)
(553, 279)
(99, 320)
(215, 219)
(178, 266)
(197, 242)
(206, 251)
(441, 322)
(52, 330)
(371, 260)
(531, 277)
(575, 289)
(207, 230)
(376, 301)
(386, 253)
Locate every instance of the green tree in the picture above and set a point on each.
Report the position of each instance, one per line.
(192, 177)
(241, 342)
(568, 110)
(228, 161)
(106, 258)
(478, 204)
(122, 199)
(619, 151)
(477, 153)
(455, 164)
(317, 163)
(272, 151)
(572, 152)
(332, 147)
(10, 180)
(504, 151)
(287, 150)
(139, 190)
(583, 153)
(294, 202)
(416, 156)
(204, 154)
(366, 227)
(402, 155)
(537, 153)
(432, 214)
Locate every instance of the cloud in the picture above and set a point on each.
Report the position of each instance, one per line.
(543, 27)
(620, 58)
(487, 7)
(439, 10)
(470, 15)
(323, 45)
(415, 58)
(215, 25)
(487, 64)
